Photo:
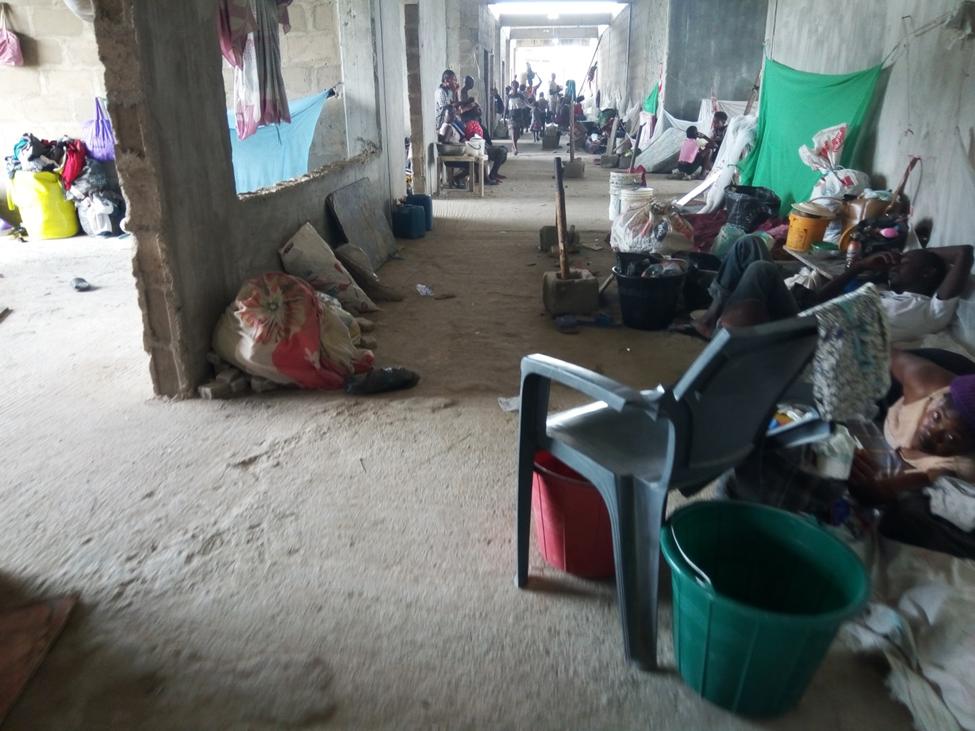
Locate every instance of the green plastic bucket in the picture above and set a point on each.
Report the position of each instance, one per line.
(750, 636)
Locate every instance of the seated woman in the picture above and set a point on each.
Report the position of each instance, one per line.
(931, 427)
(449, 133)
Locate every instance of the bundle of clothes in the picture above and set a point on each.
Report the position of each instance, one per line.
(305, 328)
(90, 183)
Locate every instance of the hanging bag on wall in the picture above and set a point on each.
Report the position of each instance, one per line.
(98, 134)
(10, 54)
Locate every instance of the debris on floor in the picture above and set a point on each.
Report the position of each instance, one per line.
(510, 403)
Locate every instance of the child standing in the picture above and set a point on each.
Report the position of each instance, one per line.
(538, 118)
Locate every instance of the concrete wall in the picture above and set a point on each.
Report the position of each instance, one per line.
(629, 69)
(433, 61)
(926, 109)
(196, 240)
(53, 93)
(714, 50)
(311, 62)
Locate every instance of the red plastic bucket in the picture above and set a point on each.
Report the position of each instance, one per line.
(572, 523)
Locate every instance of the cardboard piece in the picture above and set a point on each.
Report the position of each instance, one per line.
(360, 215)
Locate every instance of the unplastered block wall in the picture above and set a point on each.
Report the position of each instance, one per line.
(311, 62)
(53, 93)
(629, 69)
(196, 240)
(713, 51)
(926, 104)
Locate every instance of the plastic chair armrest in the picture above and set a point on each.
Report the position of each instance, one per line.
(615, 394)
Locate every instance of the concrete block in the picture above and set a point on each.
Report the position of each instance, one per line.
(17, 81)
(58, 82)
(228, 375)
(309, 48)
(46, 22)
(263, 385)
(298, 18)
(297, 80)
(578, 295)
(82, 52)
(214, 390)
(325, 17)
(575, 168)
(41, 52)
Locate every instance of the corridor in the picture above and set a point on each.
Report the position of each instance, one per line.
(309, 559)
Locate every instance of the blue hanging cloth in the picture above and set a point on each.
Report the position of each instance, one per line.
(276, 152)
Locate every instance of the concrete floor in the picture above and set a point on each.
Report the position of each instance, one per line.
(308, 560)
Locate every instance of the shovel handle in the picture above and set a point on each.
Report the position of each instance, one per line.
(560, 221)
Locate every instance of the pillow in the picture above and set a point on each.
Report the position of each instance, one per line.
(306, 255)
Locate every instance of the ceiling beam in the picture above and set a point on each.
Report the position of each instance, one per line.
(543, 34)
(553, 2)
(564, 20)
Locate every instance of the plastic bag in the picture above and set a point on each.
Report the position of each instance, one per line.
(98, 135)
(45, 212)
(632, 230)
(307, 256)
(827, 148)
(10, 53)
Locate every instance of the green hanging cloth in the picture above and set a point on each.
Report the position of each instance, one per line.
(794, 105)
(650, 103)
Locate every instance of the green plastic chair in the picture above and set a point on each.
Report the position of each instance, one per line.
(635, 446)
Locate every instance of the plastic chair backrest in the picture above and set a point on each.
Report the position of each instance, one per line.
(723, 403)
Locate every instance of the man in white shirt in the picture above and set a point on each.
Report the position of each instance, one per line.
(925, 285)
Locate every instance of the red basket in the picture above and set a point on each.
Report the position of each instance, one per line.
(572, 523)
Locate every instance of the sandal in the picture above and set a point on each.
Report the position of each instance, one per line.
(687, 328)
(381, 380)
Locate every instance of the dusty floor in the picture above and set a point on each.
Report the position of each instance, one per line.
(304, 560)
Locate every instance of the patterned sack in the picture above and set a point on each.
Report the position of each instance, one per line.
(307, 256)
(851, 368)
(280, 329)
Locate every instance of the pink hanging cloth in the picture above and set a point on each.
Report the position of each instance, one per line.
(251, 43)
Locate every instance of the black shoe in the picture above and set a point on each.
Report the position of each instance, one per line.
(381, 380)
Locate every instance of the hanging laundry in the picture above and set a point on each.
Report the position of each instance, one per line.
(250, 41)
(234, 22)
(278, 152)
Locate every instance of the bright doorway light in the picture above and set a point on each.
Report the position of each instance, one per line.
(554, 9)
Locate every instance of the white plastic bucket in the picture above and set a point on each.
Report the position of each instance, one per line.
(618, 182)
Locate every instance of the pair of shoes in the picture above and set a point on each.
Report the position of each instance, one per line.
(499, 176)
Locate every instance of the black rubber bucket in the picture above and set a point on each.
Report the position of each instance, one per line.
(750, 206)
(701, 271)
(648, 303)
